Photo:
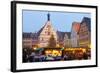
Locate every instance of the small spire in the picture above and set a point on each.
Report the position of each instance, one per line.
(48, 16)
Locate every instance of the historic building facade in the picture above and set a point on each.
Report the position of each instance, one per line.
(85, 33)
(42, 37)
(27, 40)
(63, 39)
(79, 36)
(46, 32)
(67, 40)
(74, 34)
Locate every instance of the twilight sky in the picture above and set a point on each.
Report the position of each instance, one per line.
(33, 21)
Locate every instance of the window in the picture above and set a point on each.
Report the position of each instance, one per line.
(45, 32)
(42, 39)
(48, 33)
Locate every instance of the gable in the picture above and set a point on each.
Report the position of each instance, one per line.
(47, 31)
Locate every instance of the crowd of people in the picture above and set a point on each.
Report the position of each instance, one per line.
(38, 56)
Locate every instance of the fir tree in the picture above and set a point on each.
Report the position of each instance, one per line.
(52, 42)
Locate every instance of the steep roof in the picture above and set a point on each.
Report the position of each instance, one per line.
(76, 26)
(48, 20)
(38, 33)
(62, 34)
(69, 34)
(27, 35)
(88, 22)
(35, 36)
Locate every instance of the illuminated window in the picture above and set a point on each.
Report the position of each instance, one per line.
(42, 39)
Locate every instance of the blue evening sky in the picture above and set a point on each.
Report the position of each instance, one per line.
(33, 21)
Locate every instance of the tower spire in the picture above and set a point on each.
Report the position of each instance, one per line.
(48, 16)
